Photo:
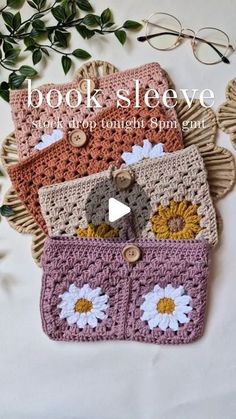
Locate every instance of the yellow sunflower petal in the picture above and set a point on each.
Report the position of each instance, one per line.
(191, 231)
(81, 232)
(160, 229)
(164, 212)
(176, 236)
(157, 219)
(173, 208)
(91, 231)
(194, 227)
(102, 229)
(112, 234)
(192, 209)
(182, 208)
(165, 235)
(194, 219)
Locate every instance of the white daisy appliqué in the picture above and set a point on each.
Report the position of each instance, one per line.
(46, 139)
(166, 307)
(83, 306)
(148, 150)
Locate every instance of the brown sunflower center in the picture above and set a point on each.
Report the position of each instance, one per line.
(83, 306)
(165, 306)
(176, 224)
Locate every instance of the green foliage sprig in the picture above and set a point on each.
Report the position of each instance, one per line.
(36, 37)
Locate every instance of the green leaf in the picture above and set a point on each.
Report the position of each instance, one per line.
(121, 36)
(36, 56)
(70, 17)
(84, 5)
(66, 63)
(131, 24)
(27, 71)
(58, 13)
(6, 211)
(45, 51)
(42, 3)
(8, 18)
(108, 24)
(85, 32)
(15, 4)
(16, 80)
(29, 41)
(38, 25)
(106, 16)
(61, 39)
(37, 16)
(4, 85)
(23, 28)
(31, 4)
(12, 54)
(91, 20)
(7, 46)
(4, 94)
(1, 173)
(81, 53)
(16, 21)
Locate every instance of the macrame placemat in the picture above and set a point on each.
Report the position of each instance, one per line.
(218, 161)
(226, 114)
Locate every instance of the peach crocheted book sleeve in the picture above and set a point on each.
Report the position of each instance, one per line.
(29, 122)
(62, 161)
(169, 199)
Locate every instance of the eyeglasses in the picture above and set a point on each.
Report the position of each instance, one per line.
(164, 32)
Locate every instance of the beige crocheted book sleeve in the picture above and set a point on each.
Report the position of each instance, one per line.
(169, 199)
(31, 122)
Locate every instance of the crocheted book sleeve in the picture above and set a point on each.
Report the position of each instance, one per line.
(28, 135)
(169, 199)
(90, 292)
(63, 161)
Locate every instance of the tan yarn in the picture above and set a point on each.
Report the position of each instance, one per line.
(177, 176)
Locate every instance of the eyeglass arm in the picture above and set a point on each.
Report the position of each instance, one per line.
(178, 33)
(182, 35)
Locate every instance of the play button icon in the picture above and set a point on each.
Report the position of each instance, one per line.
(117, 210)
(106, 203)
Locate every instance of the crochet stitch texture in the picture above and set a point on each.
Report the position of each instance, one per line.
(100, 265)
(177, 176)
(151, 76)
(62, 161)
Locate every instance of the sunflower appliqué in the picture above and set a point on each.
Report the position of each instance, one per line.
(101, 231)
(177, 221)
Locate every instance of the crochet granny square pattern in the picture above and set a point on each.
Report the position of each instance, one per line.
(32, 123)
(65, 160)
(91, 292)
(169, 199)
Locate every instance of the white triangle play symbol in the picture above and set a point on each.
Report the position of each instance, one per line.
(117, 210)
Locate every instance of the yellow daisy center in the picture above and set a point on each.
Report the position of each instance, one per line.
(166, 306)
(83, 306)
(176, 224)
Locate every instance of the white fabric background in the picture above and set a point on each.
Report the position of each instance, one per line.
(41, 379)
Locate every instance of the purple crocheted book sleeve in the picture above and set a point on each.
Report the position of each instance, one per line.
(91, 292)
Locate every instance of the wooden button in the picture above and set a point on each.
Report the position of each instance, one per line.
(83, 85)
(123, 179)
(131, 253)
(77, 138)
